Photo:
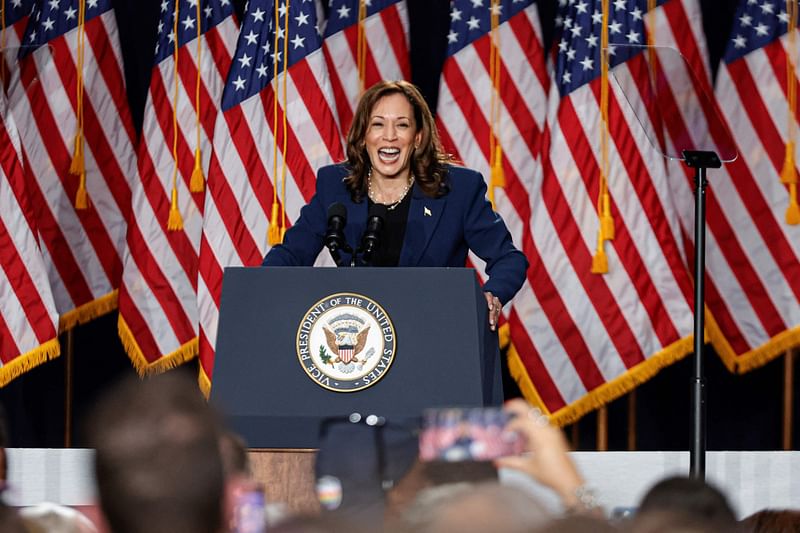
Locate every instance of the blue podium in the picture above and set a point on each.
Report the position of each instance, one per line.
(299, 344)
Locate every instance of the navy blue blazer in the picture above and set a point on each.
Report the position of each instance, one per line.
(439, 231)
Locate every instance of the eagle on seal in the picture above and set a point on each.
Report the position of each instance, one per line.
(346, 346)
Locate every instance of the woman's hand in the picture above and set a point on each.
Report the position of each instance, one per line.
(495, 308)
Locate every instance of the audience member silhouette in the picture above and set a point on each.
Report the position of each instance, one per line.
(158, 464)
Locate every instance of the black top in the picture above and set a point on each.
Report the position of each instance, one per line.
(394, 231)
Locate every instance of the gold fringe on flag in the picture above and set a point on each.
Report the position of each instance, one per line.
(497, 177)
(24, 362)
(184, 353)
(204, 382)
(755, 358)
(789, 171)
(77, 166)
(174, 219)
(197, 182)
(604, 394)
(88, 311)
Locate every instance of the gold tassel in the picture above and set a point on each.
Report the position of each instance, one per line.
(274, 233)
(789, 173)
(197, 181)
(606, 220)
(599, 260)
(175, 222)
(82, 197)
(498, 176)
(77, 166)
(793, 211)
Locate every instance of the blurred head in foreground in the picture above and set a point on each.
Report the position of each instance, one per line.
(158, 464)
(773, 521)
(683, 504)
(475, 508)
(48, 517)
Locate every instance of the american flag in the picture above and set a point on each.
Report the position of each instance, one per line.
(14, 15)
(82, 247)
(753, 256)
(598, 335)
(466, 122)
(158, 320)
(28, 318)
(245, 178)
(375, 30)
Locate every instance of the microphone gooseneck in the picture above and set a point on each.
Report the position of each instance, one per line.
(334, 239)
(372, 234)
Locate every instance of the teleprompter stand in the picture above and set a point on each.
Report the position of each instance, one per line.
(700, 161)
(667, 81)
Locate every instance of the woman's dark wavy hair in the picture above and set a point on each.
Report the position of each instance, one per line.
(427, 162)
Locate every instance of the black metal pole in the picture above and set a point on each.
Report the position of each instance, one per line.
(700, 160)
(697, 454)
(68, 368)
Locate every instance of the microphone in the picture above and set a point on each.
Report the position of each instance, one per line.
(334, 237)
(372, 235)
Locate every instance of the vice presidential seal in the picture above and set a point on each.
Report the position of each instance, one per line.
(346, 342)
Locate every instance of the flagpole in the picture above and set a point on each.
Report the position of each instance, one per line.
(602, 429)
(575, 435)
(788, 397)
(632, 420)
(68, 360)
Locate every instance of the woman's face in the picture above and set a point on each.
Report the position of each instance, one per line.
(391, 136)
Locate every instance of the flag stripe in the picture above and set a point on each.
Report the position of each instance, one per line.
(530, 42)
(386, 56)
(28, 318)
(51, 231)
(7, 344)
(580, 256)
(158, 283)
(677, 126)
(240, 185)
(98, 146)
(395, 17)
(98, 35)
(652, 208)
(27, 295)
(158, 301)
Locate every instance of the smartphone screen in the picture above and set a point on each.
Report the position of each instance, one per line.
(466, 434)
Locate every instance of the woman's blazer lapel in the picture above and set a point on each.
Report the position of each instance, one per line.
(423, 218)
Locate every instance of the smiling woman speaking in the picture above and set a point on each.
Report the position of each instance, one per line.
(434, 211)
